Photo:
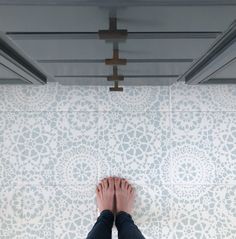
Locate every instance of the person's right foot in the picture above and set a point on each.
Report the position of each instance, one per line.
(105, 193)
(124, 194)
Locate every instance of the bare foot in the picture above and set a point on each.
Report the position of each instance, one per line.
(124, 195)
(105, 193)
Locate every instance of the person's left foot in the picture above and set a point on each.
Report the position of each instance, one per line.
(105, 194)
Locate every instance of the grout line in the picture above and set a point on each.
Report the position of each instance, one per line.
(117, 111)
(170, 153)
(18, 185)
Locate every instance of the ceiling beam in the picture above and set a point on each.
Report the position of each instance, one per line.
(119, 3)
(71, 61)
(94, 35)
(105, 76)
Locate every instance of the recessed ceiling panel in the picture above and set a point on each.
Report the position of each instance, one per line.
(52, 18)
(127, 81)
(164, 48)
(98, 49)
(80, 69)
(74, 69)
(154, 68)
(175, 18)
(65, 49)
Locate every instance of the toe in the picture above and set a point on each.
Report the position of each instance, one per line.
(98, 193)
(105, 183)
(100, 187)
(132, 191)
(117, 183)
(123, 184)
(111, 183)
(126, 184)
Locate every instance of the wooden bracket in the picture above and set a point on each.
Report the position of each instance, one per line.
(113, 34)
(115, 76)
(116, 87)
(115, 60)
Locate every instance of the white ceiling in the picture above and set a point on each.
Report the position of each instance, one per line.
(193, 29)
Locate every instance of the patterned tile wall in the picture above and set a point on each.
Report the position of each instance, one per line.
(176, 144)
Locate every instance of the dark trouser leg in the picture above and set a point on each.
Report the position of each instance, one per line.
(103, 226)
(126, 227)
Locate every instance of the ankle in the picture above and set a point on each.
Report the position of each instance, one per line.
(106, 211)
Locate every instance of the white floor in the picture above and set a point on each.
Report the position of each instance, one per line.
(176, 144)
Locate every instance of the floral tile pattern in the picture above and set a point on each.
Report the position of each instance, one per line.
(30, 145)
(203, 97)
(134, 144)
(29, 98)
(11, 211)
(38, 211)
(177, 146)
(75, 98)
(210, 216)
(208, 142)
(73, 217)
(77, 169)
(135, 98)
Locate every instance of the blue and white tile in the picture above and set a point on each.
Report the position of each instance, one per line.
(225, 210)
(38, 220)
(30, 144)
(224, 140)
(193, 224)
(213, 134)
(2, 124)
(203, 97)
(74, 218)
(190, 172)
(192, 143)
(47, 212)
(224, 97)
(135, 98)
(182, 164)
(191, 165)
(162, 230)
(152, 204)
(157, 202)
(77, 163)
(30, 98)
(193, 127)
(2, 167)
(2, 103)
(195, 218)
(77, 169)
(9, 175)
(11, 212)
(77, 98)
(210, 216)
(77, 127)
(134, 144)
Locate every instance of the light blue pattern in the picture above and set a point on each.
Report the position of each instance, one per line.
(177, 146)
